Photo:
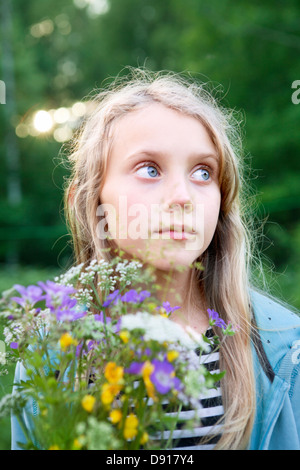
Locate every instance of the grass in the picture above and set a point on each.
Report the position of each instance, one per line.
(24, 275)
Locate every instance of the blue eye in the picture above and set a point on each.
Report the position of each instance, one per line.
(204, 174)
(148, 170)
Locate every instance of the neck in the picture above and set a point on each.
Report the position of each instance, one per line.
(181, 288)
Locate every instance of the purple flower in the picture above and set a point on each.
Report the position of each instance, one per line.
(57, 295)
(65, 314)
(131, 296)
(14, 345)
(135, 368)
(117, 326)
(113, 297)
(30, 295)
(163, 377)
(134, 297)
(168, 308)
(214, 319)
(59, 302)
(144, 352)
(91, 345)
(78, 349)
(100, 317)
(143, 295)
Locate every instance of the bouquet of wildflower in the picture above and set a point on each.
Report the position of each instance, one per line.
(101, 367)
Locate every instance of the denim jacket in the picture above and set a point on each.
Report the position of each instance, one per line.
(276, 357)
(277, 375)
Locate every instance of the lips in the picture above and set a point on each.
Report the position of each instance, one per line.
(177, 232)
(177, 229)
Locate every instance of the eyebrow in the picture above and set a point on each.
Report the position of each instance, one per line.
(157, 153)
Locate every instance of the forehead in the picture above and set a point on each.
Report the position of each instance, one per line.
(160, 128)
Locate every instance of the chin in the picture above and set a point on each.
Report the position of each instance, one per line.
(164, 257)
(171, 260)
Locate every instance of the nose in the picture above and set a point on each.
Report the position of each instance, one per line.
(177, 196)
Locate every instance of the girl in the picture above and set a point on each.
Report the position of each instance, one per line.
(159, 149)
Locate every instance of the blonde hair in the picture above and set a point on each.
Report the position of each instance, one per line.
(224, 282)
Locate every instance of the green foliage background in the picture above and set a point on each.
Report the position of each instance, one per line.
(248, 49)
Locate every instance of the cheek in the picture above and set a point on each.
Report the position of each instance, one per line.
(210, 216)
(109, 208)
(127, 217)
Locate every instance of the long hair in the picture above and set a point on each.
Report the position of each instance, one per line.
(225, 279)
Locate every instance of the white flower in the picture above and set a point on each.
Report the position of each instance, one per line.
(12, 402)
(70, 276)
(84, 296)
(160, 329)
(43, 320)
(8, 335)
(129, 271)
(14, 332)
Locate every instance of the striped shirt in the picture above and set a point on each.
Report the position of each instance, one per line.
(209, 413)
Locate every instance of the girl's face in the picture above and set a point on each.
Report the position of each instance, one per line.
(161, 190)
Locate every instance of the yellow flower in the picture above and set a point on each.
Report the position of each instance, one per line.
(66, 340)
(108, 393)
(88, 403)
(144, 438)
(162, 311)
(146, 372)
(115, 416)
(77, 444)
(172, 355)
(54, 447)
(130, 426)
(147, 369)
(124, 335)
(113, 373)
